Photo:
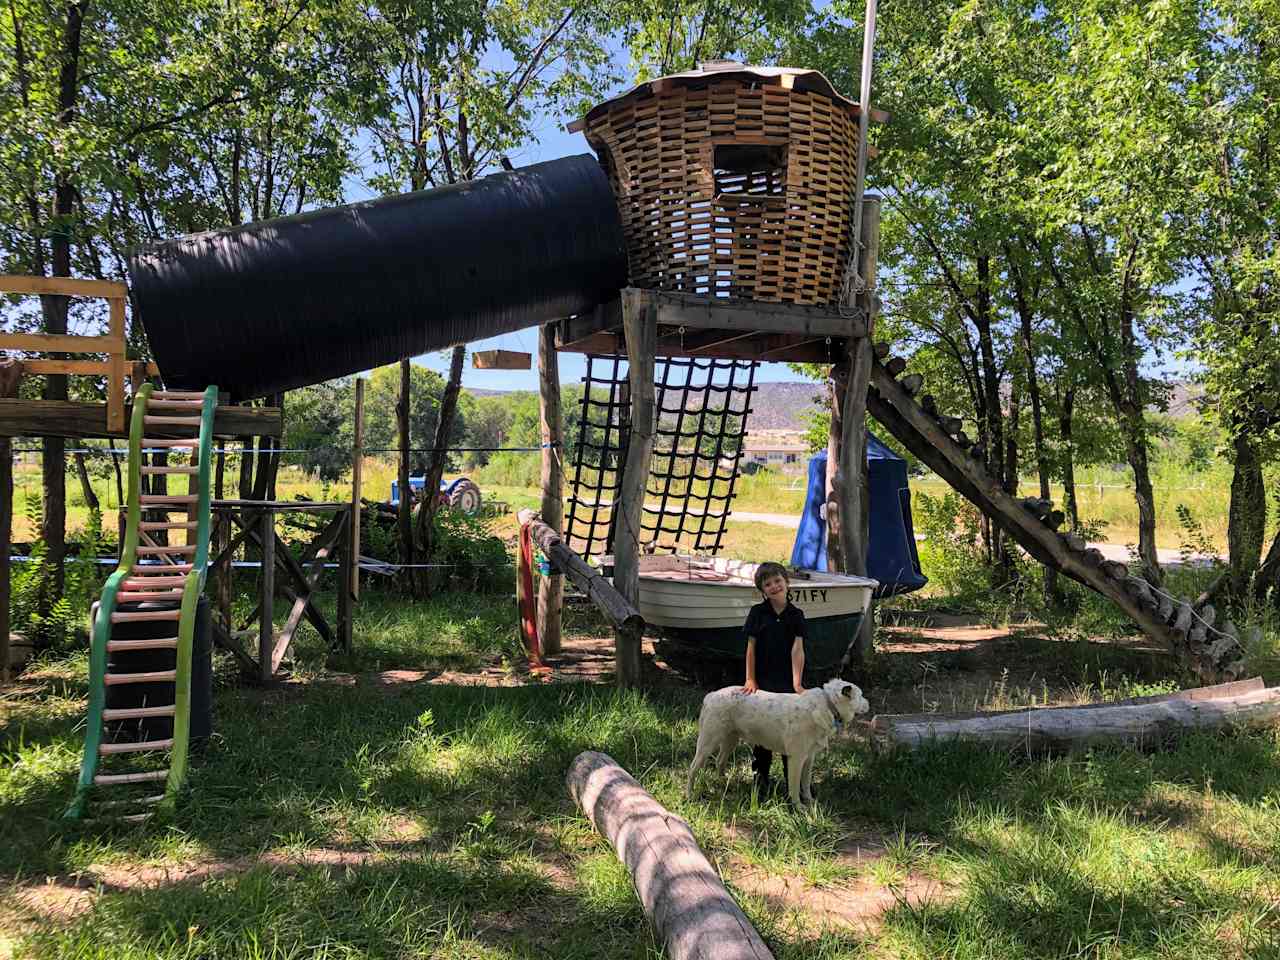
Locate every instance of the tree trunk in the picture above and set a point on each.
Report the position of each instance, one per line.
(86, 487)
(1268, 576)
(439, 459)
(53, 469)
(1070, 502)
(1247, 516)
(1133, 424)
(404, 515)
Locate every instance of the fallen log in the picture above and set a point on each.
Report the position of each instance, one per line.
(1145, 721)
(682, 895)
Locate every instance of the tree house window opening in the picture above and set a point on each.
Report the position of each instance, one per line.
(750, 171)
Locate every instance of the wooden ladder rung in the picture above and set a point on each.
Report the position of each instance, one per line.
(152, 551)
(146, 596)
(151, 676)
(160, 471)
(156, 643)
(139, 802)
(178, 395)
(138, 616)
(140, 746)
(148, 583)
(192, 422)
(166, 525)
(157, 499)
(160, 569)
(189, 442)
(138, 713)
(168, 404)
(110, 779)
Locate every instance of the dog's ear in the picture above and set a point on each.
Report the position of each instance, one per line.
(847, 691)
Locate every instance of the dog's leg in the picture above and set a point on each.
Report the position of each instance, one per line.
(806, 779)
(699, 758)
(726, 751)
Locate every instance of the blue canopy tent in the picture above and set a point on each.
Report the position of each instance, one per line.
(891, 550)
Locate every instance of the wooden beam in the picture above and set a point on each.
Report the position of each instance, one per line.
(67, 418)
(684, 898)
(778, 347)
(58, 342)
(717, 313)
(266, 625)
(10, 378)
(639, 315)
(90, 368)
(62, 286)
(501, 360)
(550, 589)
(357, 469)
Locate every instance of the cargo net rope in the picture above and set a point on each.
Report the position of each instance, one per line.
(701, 408)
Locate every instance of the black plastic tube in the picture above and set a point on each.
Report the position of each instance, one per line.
(284, 303)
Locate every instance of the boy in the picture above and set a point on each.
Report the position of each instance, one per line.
(775, 632)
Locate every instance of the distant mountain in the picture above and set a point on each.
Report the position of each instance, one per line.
(782, 406)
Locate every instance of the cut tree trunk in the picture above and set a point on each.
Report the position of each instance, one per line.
(1247, 516)
(684, 898)
(1146, 722)
(435, 466)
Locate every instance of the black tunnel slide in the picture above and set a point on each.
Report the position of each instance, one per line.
(284, 303)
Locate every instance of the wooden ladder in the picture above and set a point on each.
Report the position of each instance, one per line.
(155, 583)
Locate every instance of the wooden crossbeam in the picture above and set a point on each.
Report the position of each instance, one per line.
(68, 418)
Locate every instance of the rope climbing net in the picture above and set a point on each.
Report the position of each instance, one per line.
(701, 408)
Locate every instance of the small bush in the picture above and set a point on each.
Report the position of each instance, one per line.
(479, 559)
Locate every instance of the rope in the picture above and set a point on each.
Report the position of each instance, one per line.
(694, 436)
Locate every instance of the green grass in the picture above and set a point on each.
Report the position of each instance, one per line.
(352, 820)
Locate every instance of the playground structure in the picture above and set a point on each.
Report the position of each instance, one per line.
(723, 220)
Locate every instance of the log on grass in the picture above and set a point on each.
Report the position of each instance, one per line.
(682, 895)
(582, 575)
(1147, 721)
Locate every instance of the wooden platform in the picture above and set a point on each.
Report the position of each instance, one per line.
(67, 418)
(690, 326)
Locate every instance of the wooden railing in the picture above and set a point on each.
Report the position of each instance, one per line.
(115, 368)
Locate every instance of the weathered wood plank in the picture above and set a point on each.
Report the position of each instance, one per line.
(501, 360)
(60, 342)
(550, 589)
(68, 418)
(792, 348)
(684, 898)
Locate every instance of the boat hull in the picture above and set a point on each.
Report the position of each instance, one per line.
(698, 607)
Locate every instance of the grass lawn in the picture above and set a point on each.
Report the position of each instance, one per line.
(357, 812)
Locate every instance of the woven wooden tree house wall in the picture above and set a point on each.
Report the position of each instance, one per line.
(732, 181)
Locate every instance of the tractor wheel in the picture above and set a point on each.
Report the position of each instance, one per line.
(466, 498)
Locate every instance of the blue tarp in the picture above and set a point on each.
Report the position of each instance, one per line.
(891, 548)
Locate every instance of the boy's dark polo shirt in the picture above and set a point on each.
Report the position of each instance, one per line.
(774, 633)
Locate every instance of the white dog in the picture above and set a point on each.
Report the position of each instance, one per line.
(798, 725)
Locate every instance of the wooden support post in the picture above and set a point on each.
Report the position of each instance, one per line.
(346, 565)
(550, 588)
(357, 458)
(116, 364)
(266, 626)
(684, 898)
(850, 489)
(640, 327)
(10, 377)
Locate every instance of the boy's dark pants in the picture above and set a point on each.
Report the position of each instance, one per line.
(761, 761)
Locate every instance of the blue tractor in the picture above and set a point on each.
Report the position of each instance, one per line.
(460, 494)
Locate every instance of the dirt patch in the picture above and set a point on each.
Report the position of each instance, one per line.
(859, 904)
